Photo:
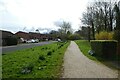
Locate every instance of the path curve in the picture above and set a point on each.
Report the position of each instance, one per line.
(76, 65)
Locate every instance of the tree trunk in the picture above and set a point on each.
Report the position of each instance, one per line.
(88, 33)
(93, 31)
(111, 21)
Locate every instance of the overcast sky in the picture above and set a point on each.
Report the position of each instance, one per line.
(28, 15)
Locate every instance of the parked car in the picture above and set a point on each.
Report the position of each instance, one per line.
(36, 40)
(59, 40)
(33, 41)
(29, 41)
(22, 40)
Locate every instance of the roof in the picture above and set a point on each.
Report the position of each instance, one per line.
(4, 34)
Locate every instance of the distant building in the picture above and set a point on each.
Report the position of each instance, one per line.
(31, 35)
(39, 36)
(23, 35)
(6, 36)
(3, 36)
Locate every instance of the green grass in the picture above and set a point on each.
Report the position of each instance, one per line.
(84, 46)
(0, 66)
(38, 62)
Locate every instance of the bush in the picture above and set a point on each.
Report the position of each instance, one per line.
(49, 53)
(118, 49)
(104, 48)
(104, 35)
(11, 40)
(53, 50)
(41, 57)
(74, 37)
(116, 36)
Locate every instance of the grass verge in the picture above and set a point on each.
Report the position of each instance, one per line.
(84, 46)
(38, 62)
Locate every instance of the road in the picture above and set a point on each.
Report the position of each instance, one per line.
(23, 46)
(76, 65)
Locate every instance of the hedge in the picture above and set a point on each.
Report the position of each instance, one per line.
(10, 40)
(104, 48)
(116, 35)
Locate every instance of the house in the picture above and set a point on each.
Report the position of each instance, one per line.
(23, 35)
(6, 37)
(34, 35)
(31, 35)
(39, 36)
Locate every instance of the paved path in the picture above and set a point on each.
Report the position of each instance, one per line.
(23, 46)
(76, 65)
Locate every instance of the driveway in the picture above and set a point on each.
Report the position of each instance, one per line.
(76, 65)
(23, 46)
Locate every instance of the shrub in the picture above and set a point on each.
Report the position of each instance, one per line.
(42, 48)
(60, 46)
(46, 48)
(11, 40)
(41, 57)
(74, 37)
(116, 36)
(104, 35)
(49, 53)
(53, 50)
(104, 48)
(118, 49)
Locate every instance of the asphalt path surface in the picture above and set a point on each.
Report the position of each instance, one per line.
(23, 46)
(76, 65)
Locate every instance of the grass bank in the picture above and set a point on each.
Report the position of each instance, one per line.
(84, 46)
(38, 62)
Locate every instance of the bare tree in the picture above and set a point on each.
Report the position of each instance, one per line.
(64, 28)
(88, 19)
(99, 15)
(117, 16)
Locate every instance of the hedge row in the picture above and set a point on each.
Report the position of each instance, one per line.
(104, 48)
(10, 40)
